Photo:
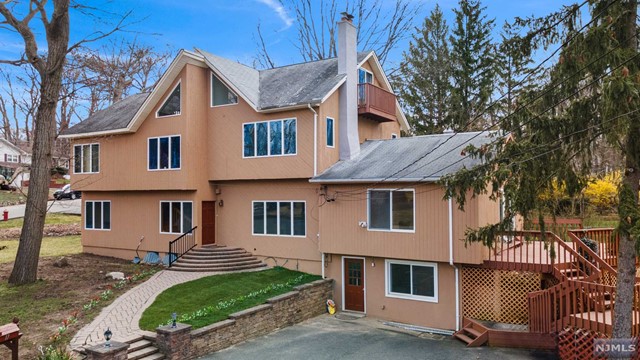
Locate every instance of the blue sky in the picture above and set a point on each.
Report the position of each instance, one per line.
(228, 27)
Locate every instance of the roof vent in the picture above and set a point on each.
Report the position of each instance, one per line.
(448, 131)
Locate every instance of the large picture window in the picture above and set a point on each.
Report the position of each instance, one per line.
(164, 153)
(283, 218)
(391, 210)
(176, 217)
(86, 158)
(171, 105)
(97, 215)
(269, 138)
(220, 94)
(412, 280)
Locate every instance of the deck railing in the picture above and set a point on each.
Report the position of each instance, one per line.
(181, 245)
(586, 305)
(372, 99)
(609, 276)
(607, 239)
(558, 226)
(529, 250)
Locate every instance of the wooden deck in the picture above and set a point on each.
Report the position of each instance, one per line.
(508, 335)
(533, 255)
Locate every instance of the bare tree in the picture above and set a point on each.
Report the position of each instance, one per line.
(18, 102)
(378, 28)
(49, 67)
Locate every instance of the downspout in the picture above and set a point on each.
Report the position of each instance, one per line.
(315, 140)
(323, 265)
(455, 268)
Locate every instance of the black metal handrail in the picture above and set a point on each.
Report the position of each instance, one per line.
(181, 245)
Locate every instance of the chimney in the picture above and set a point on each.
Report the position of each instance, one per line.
(348, 65)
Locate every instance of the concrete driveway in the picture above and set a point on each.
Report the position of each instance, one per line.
(58, 206)
(328, 337)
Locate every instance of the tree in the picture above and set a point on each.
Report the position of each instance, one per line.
(423, 80)
(316, 27)
(593, 92)
(49, 68)
(473, 62)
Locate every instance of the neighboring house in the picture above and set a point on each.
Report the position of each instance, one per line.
(12, 159)
(300, 165)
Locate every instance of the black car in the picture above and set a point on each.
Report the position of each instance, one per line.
(67, 193)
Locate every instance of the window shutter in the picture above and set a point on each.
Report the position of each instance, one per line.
(5, 157)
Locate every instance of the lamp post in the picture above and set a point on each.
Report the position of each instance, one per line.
(107, 337)
(174, 316)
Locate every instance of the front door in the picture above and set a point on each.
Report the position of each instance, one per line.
(354, 284)
(208, 222)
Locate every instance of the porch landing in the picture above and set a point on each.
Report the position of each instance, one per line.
(512, 335)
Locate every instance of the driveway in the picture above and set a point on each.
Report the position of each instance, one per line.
(58, 206)
(328, 337)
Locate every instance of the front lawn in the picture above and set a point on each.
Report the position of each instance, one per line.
(208, 300)
(51, 246)
(51, 219)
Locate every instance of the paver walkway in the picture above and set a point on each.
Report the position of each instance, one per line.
(122, 316)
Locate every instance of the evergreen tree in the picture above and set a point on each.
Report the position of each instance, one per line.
(424, 76)
(472, 59)
(593, 92)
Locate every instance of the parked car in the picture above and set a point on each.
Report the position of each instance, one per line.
(67, 193)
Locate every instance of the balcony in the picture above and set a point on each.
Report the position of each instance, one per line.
(376, 103)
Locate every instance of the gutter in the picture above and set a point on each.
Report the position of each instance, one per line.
(368, 181)
(455, 268)
(315, 141)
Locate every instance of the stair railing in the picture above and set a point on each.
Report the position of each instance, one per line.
(181, 245)
(607, 239)
(609, 276)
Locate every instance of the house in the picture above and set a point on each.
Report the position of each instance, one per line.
(12, 159)
(302, 166)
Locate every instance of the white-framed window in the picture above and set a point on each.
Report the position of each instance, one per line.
(411, 280)
(220, 93)
(391, 210)
(12, 158)
(163, 153)
(176, 217)
(365, 76)
(331, 135)
(86, 158)
(269, 138)
(97, 215)
(171, 105)
(280, 218)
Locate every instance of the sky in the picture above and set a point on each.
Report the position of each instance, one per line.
(228, 27)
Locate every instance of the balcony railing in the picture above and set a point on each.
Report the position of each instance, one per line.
(376, 103)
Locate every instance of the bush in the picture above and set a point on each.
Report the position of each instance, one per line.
(602, 193)
(54, 353)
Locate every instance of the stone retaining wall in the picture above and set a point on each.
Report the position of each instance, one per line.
(304, 302)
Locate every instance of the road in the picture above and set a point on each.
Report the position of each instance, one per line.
(58, 206)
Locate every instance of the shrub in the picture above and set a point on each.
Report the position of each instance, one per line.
(602, 192)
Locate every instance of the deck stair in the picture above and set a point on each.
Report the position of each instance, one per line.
(213, 258)
(472, 334)
(143, 349)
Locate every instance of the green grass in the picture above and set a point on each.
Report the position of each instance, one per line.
(52, 219)
(195, 295)
(18, 301)
(601, 221)
(51, 246)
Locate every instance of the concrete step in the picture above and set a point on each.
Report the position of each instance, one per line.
(142, 353)
(200, 262)
(215, 257)
(156, 356)
(217, 250)
(138, 345)
(215, 265)
(214, 269)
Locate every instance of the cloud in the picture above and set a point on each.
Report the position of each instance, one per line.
(276, 6)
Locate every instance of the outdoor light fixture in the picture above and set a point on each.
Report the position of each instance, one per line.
(174, 316)
(107, 336)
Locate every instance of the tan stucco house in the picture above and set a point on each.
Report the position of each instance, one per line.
(301, 165)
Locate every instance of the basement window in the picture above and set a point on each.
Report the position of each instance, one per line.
(97, 215)
(411, 280)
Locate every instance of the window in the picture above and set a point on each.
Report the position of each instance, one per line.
(164, 153)
(176, 217)
(284, 218)
(86, 158)
(220, 94)
(12, 158)
(330, 133)
(171, 105)
(97, 215)
(269, 138)
(412, 280)
(391, 210)
(365, 76)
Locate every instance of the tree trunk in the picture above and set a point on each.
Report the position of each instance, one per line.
(628, 210)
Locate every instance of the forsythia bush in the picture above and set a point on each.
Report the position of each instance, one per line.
(602, 192)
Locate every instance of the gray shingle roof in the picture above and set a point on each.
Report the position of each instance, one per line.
(116, 116)
(379, 159)
(246, 79)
